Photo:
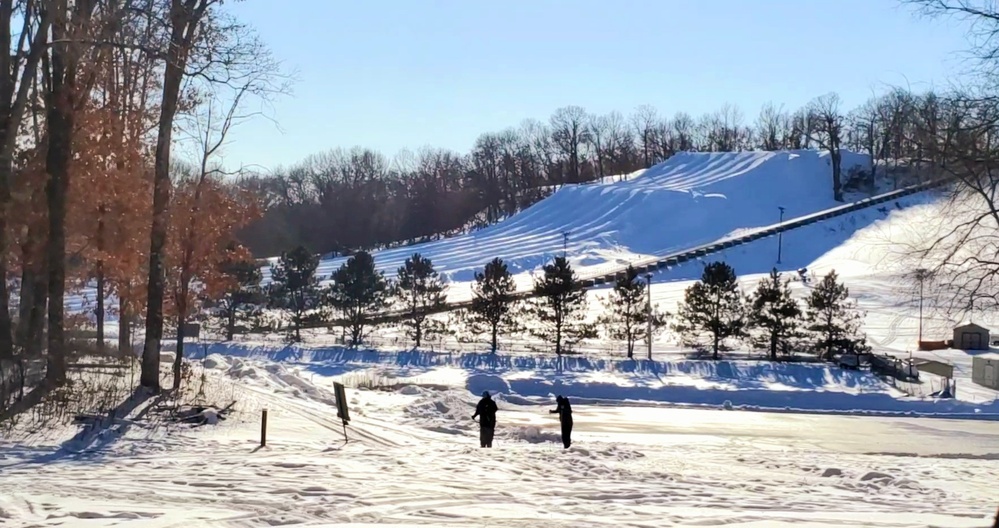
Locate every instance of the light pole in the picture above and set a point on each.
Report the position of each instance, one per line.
(920, 276)
(780, 234)
(648, 309)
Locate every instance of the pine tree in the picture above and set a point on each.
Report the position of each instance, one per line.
(834, 319)
(627, 314)
(420, 289)
(492, 299)
(713, 305)
(774, 316)
(243, 296)
(357, 292)
(294, 287)
(560, 306)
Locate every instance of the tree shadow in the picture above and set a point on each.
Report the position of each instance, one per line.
(99, 433)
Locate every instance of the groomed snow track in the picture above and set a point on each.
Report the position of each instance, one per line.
(695, 253)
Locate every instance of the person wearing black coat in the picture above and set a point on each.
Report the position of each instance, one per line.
(564, 411)
(486, 410)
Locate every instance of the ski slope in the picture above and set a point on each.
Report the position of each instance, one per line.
(688, 200)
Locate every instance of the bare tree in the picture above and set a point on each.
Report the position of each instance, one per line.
(682, 125)
(960, 133)
(223, 109)
(772, 127)
(598, 136)
(185, 28)
(570, 133)
(824, 112)
(864, 134)
(644, 122)
(203, 43)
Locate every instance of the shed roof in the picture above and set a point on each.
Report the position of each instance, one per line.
(991, 355)
(970, 326)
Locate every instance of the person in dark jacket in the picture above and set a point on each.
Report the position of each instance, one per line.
(564, 411)
(486, 411)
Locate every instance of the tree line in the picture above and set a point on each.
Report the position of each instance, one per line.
(114, 113)
(713, 313)
(347, 200)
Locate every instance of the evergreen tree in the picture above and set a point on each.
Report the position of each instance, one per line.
(560, 306)
(834, 319)
(774, 316)
(295, 289)
(243, 297)
(492, 299)
(626, 311)
(420, 289)
(358, 291)
(713, 305)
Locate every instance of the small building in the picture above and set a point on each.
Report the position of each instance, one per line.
(985, 370)
(970, 336)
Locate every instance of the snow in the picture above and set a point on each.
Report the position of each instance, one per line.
(670, 442)
(412, 460)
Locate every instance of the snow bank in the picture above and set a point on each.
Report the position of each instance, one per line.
(747, 385)
(817, 400)
(479, 383)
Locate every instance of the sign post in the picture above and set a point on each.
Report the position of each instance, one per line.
(340, 393)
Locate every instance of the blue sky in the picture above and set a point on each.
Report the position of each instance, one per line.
(407, 73)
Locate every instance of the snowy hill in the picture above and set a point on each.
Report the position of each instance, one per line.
(690, 199)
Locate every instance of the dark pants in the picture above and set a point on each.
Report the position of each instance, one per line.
(486, 436)
(567, 434)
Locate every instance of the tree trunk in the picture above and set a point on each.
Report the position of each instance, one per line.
(59, 121)
(230, 325)
(34, 292)
(6, 334)
(6, 167)
(715, 354)
(25, 305)
(181, 20)
(99, 311)
(419, 332)
(837, 157)
(494, 340)
(558, 339)
(13, 99)
(177, 360)
(101, 287)
(124, 330)
(297, 321)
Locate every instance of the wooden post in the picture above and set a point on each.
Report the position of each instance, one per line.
(263, 429)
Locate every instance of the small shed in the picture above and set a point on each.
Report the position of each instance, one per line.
(970, 336)
(985, 370)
